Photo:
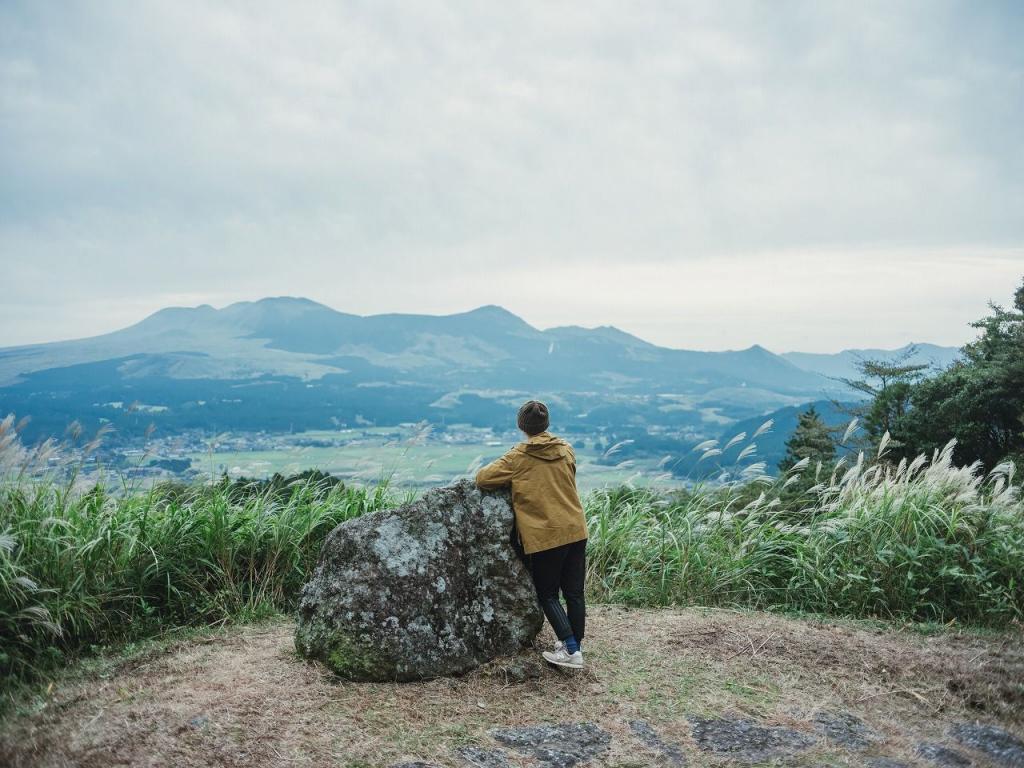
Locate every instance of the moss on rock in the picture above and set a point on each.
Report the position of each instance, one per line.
(432, 588)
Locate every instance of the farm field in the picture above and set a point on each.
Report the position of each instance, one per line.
(409, 465)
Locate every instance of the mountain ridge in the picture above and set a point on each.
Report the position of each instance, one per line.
(843, 364)
(485, 310)
(290, 334)
(318, 364)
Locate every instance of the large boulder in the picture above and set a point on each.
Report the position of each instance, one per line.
(433, 588)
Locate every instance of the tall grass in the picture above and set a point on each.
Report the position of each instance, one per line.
(921, 541)
(81, 569)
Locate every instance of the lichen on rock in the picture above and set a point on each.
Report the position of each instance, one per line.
(432, 588)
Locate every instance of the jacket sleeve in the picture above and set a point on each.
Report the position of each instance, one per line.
(496, 474)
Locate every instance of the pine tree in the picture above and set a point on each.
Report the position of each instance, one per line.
(889, 385)
(810, 440)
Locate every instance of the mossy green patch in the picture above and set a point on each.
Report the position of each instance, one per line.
(354, 660)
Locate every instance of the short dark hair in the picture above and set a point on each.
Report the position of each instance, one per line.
(533, 417)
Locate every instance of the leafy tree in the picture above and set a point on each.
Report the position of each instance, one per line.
(888, 385)
(980, 399)
(811, 440)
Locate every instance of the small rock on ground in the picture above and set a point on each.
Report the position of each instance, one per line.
(745, 739)
(483, 758)
(943, 756)
(844, 729)
(557, 746)
(1000, 745)
(645, 732)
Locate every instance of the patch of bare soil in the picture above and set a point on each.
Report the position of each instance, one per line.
(664, 687)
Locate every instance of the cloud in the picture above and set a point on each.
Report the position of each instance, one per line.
(356, 152)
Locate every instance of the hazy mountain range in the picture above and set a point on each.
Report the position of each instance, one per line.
(843, 364)
(282, 363)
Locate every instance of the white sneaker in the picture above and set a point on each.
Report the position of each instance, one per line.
(562, 658)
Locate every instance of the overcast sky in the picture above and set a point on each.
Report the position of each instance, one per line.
(711, 175)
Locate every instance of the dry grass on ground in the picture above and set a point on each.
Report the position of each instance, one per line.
(241, 697)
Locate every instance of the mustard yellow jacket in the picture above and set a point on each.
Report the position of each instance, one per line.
(542, 473)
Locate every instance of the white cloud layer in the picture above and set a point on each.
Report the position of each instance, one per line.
(800, 175)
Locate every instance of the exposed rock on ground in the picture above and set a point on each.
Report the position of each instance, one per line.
(844, 729)
(944, 756)
(432, 588)
(745, 740)
(483, 758)
(998, 744)
(645, 733)
(740, 740)
(557, 746)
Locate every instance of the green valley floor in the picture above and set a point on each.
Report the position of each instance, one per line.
(664, 687)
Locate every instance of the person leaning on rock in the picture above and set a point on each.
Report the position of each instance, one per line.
(551, 526)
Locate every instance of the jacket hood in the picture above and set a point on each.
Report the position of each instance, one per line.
(545, 446)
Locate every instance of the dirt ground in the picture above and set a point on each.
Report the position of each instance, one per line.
(241, 696)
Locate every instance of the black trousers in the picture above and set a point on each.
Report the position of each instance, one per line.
(562, 569)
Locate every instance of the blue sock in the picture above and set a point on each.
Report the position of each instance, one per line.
(571, 645)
